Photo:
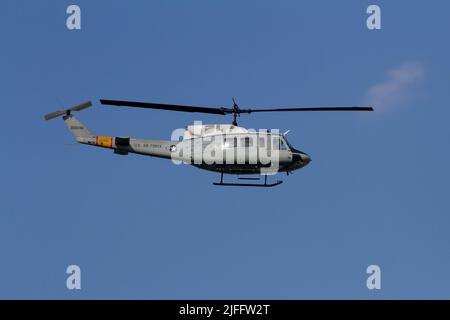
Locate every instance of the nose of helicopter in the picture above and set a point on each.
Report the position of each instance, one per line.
(306, 158)
(301, 158)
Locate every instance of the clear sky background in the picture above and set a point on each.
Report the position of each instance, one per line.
(376, 192)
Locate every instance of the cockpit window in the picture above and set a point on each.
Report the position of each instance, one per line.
(279, 144)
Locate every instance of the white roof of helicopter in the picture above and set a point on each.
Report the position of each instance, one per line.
(203, 130)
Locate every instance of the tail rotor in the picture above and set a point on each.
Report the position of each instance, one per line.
(68, 111)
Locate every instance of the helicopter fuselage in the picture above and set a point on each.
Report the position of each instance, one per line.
(225, 149)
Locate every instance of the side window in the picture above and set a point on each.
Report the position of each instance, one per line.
(262, 142)
(246, 142)
(276, 143)
(231, 142)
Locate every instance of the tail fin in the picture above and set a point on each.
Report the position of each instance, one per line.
(78, 129)
(81, 133)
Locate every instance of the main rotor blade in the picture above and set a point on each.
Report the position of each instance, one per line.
(160, 106)
(309, 109)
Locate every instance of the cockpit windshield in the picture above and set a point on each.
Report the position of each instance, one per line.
(287, 142)
(291, 147)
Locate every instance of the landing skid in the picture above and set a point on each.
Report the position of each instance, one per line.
(265, 184)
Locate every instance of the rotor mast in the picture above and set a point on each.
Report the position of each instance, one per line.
(236, 112)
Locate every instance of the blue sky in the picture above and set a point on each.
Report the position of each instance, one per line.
(376, 191)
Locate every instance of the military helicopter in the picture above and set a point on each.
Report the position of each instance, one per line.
(222, 148)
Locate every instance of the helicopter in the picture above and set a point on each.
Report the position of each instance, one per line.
(221, 148)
